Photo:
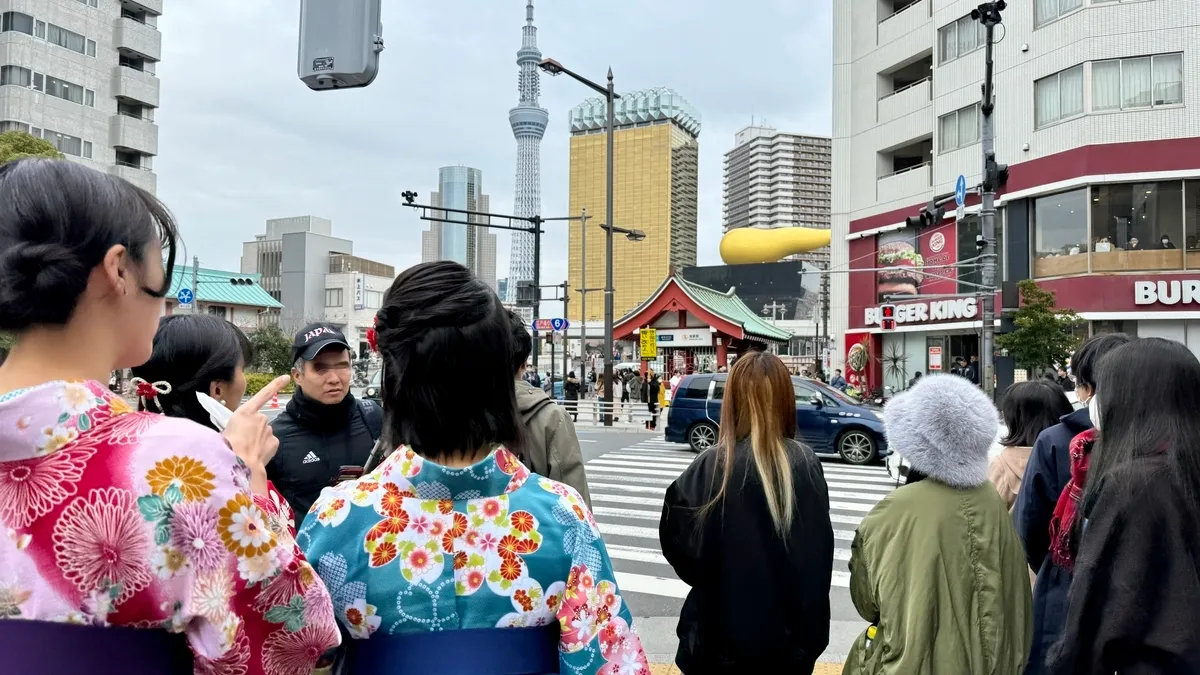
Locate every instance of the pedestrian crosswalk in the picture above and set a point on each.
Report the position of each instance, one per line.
(628, 485)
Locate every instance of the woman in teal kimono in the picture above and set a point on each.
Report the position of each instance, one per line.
(451, 557)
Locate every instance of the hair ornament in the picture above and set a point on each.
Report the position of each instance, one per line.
(148, 392)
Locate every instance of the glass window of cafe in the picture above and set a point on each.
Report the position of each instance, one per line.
(970, 262)
(1117, 227)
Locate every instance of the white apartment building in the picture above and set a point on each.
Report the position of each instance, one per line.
(80, 74)
(778, 179)
(1096, 115)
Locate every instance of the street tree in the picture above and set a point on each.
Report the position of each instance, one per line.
(19, 145)
(272, 350)
(1043, 336)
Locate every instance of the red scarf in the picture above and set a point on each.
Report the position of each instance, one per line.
(1062, 524)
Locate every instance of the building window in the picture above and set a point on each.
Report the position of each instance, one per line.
(970, 275)
(65, 38)
(959, 38)
(1058, 97)
(1137, 83)
(958, 129)
(216, 311)
(333, 297)
(39, 30)
(87, 149)
(66, 144)
(89, 98)
(1137, 226)
(11, 125)
(64, 90)
(16, 21)
(37, 81)
(16, 75)
(91, 48)
(1048, 10)
(1060, 234)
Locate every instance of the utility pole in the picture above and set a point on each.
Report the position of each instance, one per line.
(566, 331)
(608, 272)
(195, 284)
(824, 320)
(994, 175)
(583, 290)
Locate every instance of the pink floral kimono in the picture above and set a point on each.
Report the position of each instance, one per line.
(117, 518)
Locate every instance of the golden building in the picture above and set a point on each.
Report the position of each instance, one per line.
(654, 190)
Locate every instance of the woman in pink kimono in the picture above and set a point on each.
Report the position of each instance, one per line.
(146, 544)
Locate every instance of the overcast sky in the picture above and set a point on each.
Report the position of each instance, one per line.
(243, 140)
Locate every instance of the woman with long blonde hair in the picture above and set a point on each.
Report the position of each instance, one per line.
(750, 515)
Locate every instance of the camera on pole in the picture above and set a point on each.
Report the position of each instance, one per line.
(340, 42)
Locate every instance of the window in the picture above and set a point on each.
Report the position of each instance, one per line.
(89, 98)
(10, 125)
(16, 75)
(16, 21)
(91, 48)
(1060, 244)
(37, 81)
(36, 132)
(970, 274)
(719, 383)
(216, 311)
(1137, 83)
(961, 37)
(65, 38)
(64, 90)
(1137, 226)
(87, 149)
(66, 144)
(1058, 97)
(39, 30)
(958, 129)
(697, 387)
(1191, 223)
(1048, 10)
(333, 297)
(374, 299)
(131, 62)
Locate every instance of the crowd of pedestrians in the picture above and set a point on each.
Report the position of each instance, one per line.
(443, 533)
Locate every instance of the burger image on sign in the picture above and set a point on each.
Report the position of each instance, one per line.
(902, 270)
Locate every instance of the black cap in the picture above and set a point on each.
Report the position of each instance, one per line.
(314, 338)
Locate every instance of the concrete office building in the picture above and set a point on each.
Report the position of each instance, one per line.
(317, 277)
(655, 190)
(776, 179)
(1095, 115)
(468, 241)
(80, 74)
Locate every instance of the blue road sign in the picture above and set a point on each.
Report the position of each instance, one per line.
(960, 191)
(559, 324)
(185, 296)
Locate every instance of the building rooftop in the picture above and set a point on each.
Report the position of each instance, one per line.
(217, 287)
(635, 108)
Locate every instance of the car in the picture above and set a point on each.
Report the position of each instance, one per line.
(374, 389)
(827, 420)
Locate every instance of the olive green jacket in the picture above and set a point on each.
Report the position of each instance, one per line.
(941, 573)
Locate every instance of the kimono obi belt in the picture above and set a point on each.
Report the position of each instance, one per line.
(49, 648)
(470, 651)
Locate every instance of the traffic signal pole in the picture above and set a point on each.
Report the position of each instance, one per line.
(989, 15)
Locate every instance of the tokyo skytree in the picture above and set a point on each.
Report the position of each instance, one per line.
(528, 122)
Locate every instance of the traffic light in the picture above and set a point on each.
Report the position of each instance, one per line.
(887, 317)
(241, 281)
(526, 293)
(994, 175)
(340, 42)
(928, 217)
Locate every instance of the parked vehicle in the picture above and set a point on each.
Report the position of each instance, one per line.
(827, 420)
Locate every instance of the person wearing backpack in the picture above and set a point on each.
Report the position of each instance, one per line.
(324, 427)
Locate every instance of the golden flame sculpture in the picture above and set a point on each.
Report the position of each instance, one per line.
(747, 245)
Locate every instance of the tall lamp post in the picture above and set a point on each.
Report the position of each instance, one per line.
(553, 67)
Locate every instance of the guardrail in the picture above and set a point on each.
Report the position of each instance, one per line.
(630, 415)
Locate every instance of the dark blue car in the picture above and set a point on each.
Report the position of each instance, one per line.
(827, 420)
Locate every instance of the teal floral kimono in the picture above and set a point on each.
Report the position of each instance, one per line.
(417, 547)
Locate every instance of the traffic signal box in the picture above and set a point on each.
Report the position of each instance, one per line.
(887, 317)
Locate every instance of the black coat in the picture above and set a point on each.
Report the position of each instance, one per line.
(1136, 594)
(1046, 476)
(315, 442)
(758, 603)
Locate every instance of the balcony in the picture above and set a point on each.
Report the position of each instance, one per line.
(154, 7)
(906, 100)
(134, 36)
(904, 184)
(135, 85)
(905, 20)
(143, 178)
(131, 133)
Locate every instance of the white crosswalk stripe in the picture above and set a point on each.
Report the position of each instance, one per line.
(628, 486)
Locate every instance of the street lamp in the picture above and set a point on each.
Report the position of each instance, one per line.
(553, 67)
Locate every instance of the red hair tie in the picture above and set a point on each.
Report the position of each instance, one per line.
(148, 392)
(373, 336)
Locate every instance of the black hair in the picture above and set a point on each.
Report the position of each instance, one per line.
(1087, 357)
(191, 351)
(440, 326)
(1031, 407)
(1149, 392)
(58, 219)
(522, 342)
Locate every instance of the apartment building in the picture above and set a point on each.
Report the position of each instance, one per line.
(777, 179)
(80, 74)
(1095, 115)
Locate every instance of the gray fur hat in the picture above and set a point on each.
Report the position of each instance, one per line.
(944, 426)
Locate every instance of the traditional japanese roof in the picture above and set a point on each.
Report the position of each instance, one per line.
(216, 287)
(725, 307)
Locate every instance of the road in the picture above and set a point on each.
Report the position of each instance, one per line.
(628, 474)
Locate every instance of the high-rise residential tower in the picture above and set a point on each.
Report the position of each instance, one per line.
(776, 179)
(80, 74)
(656, 155)
(528, 122)
(467, 240)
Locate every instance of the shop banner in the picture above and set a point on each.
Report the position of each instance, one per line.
(913, 262)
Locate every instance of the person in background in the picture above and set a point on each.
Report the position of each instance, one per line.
(1064, 380)
(1028, 409)
(118, 519)
(1046, 476)
(936, 567)
(571, 395)
(1135, 594)
(753, 514)
(324, 427)
(549, 445)
(451, 556)
(915, 379)
(1165, 243)
(972, 370)
(651, 390)
(838, 382)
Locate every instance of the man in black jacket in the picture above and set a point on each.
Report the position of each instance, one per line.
(324, 428)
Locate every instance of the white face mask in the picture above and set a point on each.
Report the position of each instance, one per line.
(1094, 411)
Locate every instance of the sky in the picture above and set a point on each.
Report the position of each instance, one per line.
(243, 140)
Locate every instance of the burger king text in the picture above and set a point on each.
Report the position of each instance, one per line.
(937, 310)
